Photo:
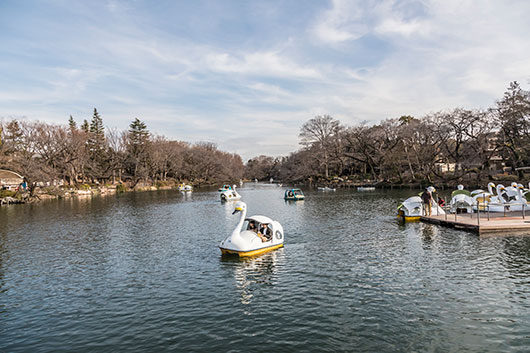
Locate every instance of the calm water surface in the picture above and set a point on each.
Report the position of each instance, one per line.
(142, 272)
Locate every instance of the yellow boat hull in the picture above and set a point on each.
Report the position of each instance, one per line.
(252, 252)
(409, 218)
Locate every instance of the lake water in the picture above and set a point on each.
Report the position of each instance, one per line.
(142, 272)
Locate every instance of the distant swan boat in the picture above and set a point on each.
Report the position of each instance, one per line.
(230, 195)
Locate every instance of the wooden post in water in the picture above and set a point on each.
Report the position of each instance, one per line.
(478, 215)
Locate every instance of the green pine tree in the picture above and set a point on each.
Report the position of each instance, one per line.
(85, 126)
(96, 126)
(138, 133)
(97, 147)
(72, 124)
(137, 148)
(96, 139)
(13, 136)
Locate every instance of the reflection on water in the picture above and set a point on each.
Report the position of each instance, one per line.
(429, 232)
(187, 195)
(252, 272)
(299, 203)
(143, 272)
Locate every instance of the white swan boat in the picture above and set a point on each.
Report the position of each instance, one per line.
(412, 208)
(461, 200)
(253, 235)
(490, 200)
(184, 187)
(230, 195)
(520, 203)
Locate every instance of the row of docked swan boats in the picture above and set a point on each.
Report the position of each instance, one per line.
(497, 198)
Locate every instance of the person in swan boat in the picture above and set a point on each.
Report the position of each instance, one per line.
(264, 233)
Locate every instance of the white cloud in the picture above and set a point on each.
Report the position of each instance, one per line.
(343, 22)
(427, 56)
(401, 27)
(266, 63)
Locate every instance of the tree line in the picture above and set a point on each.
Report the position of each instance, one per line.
(445, 146)
(91, 153)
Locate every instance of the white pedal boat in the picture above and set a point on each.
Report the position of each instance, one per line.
(247, 240)
(230, 195)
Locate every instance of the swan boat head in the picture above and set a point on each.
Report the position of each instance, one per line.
(501, 194)
(491, 187)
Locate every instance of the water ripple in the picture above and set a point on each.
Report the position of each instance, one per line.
(142, 272)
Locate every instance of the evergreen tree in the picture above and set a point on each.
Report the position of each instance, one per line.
(72, 124)
(137, 149)
(97, 131)
(85, 126)
(138, 133)
(13, 137)
(97, 147)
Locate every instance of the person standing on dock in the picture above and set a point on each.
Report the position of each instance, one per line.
(426, 197)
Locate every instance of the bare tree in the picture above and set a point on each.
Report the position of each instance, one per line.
(320, 132)
(513, 116)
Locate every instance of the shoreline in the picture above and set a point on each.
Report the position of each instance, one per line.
(55, 193)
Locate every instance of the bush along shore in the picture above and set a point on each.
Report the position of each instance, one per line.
(470, 184)
(41, 193)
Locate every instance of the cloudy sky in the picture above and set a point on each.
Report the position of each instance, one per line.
(247, 74)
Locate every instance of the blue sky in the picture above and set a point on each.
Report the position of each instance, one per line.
(247, 74)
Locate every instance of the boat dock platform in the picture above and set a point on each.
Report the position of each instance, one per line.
(511, 223)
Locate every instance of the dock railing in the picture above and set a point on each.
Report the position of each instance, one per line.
(482, 207)
(505, 207)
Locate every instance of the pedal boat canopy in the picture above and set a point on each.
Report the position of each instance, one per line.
(294, 194)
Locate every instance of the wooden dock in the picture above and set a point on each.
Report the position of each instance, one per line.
(513, 223)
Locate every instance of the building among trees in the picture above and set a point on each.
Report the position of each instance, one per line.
(10, 180)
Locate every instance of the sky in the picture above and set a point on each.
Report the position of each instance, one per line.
(247, 74)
